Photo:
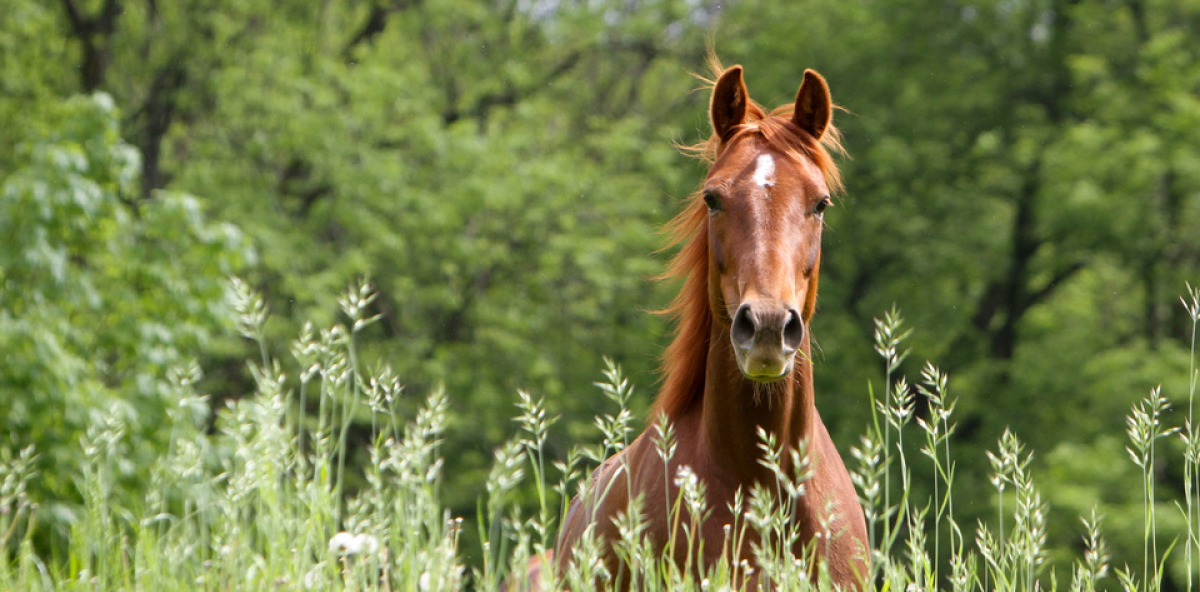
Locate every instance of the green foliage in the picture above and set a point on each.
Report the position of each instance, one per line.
(99, 299)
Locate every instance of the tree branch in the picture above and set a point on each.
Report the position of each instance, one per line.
(78, 24)
(1055, 282)
(375, 24)
(157, 114)
(106, 22)
(510, 96)
(95, 52)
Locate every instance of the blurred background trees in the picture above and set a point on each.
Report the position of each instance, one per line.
(1024, 183)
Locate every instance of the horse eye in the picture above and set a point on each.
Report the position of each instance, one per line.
(712, 200)
(821, 205)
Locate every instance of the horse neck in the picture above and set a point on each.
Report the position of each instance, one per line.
(732, 411)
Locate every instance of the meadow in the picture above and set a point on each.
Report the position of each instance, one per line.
(262, 503)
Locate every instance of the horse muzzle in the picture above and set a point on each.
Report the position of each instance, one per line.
(765, 339)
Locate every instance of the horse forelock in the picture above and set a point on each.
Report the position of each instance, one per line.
(684, 361)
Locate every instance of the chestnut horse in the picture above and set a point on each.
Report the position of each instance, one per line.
(740, 360)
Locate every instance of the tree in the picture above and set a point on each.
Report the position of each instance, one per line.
(100, 298)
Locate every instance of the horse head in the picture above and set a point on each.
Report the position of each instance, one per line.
(766, 195)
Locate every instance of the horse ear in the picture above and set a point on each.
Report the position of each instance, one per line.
(728, 106)
(814, 107)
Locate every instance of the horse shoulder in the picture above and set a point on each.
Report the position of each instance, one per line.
(850, 541)
(603, 496)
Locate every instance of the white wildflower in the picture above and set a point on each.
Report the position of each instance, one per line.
(344, 543)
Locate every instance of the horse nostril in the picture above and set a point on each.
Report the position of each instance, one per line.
(743, 327)
(793, 330)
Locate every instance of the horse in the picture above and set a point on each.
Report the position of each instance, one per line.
(740, 361)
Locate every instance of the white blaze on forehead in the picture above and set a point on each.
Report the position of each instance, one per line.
(764, 171)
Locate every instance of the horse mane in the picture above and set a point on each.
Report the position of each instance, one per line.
(683, 363)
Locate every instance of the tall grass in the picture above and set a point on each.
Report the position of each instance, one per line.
(263, 503)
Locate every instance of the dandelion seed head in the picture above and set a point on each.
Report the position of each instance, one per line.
(344, 543)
